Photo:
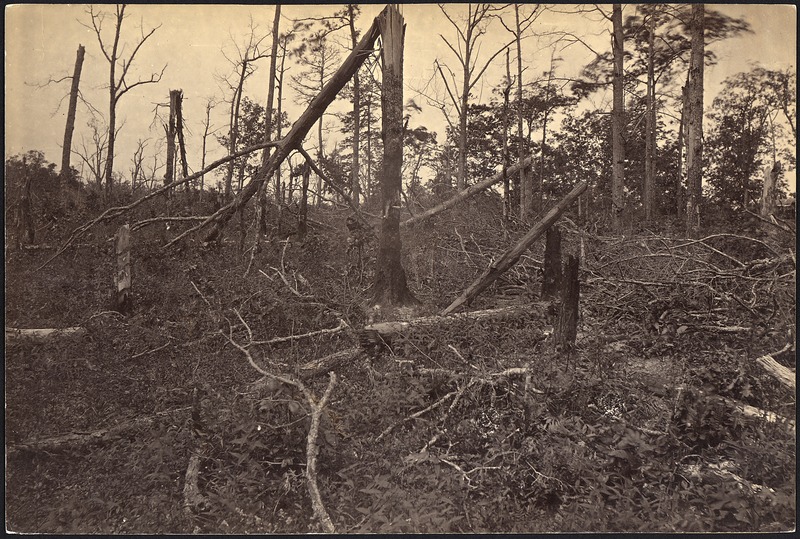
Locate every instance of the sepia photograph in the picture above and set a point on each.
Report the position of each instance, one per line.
(414, 268)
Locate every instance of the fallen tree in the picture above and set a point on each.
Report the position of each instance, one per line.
(294, 139)
(42, 334)
(781, 373)
(510, 257)
(470, 191)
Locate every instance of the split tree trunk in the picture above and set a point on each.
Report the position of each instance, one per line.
(510, 257)
(122, 278)
(66, 150)
(391, 287)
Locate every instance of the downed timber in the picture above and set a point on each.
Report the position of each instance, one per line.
(328, 363)
(80, 439)
(783, 374)
(294, 139)
(470, 191)
(710, 472)
(43, 334)
(193, 499)
(510, 257)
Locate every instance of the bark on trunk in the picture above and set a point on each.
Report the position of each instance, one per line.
(617, 123)
(648, 189)
(234, 129)
(680, 190)
(66, 150)
(510, 257)
(171, 131)
(261, 213)
(524, 180)
(506, 186)
(391, 287)
(122, 278)
(551, 280)
(302, 225)
(566, 328)
(179, 132)
(694, 150)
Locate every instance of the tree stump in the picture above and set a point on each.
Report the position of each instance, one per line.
(551, 281)
(566, 328)
(122, 301)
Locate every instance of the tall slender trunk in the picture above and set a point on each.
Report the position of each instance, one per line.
(203, 158)
(262, 189)
(648, 188)
(525, 189)
(66, 151)
(680, 197)
(112, 104)
(355, 185)
(506, 194)
(694, 151)
(170, 128)
(179, 130)
(617, 123)
(391, 287)
(234, 129)
(279, 127)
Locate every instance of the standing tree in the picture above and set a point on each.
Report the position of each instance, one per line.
(521, 25)
(470, 31)
(117, 86)
(617, 122)
(694, 150)
(391, 287)
(319, 58)
(66, 150)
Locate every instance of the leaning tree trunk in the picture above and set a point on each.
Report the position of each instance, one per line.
(66, 151)
(617, 123)
(694, 149)
(390, 278)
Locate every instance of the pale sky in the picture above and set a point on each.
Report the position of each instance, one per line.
(41, 42)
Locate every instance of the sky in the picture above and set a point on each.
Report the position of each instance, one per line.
(41, 42)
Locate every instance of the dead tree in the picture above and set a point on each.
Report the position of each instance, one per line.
(510, 257)
(390, 278)
(694, 142)
(66, 150)
(117, 87)
(551, 280)
(566, 328)
(293, 140)
(302, 223)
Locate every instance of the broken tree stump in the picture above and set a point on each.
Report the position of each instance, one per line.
(566, 327)
(122, 278)
(551, 280)
(510, 257)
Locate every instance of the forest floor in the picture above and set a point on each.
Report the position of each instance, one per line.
(640, 428)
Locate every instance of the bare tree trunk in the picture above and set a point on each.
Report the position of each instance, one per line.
(506, 186)
(551, 280)
(279, 131)
(648, 189)
(261, 202)
(179, 130)
(680, 199)
(171, 131)
(566, 329)
(206, 126)
(302, 225)
(355, 184)
(525, 189)
(234, 129)
(694, 151)
(769, 190)
(391, 287)
(617, 123)
(66, 150)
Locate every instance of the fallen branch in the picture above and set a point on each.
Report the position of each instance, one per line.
(328, 363)
(470, 191)
(341, 327)
(313, 431)
(79, 439)
(722, 470)
(510, 257)
(783, 374)
(193, 500)
(42, 335)
(153, 220)
(415, 415)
